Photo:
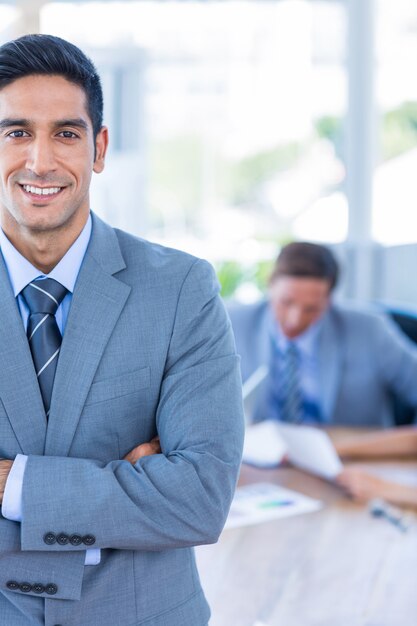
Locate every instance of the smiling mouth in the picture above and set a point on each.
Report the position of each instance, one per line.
(41, 192)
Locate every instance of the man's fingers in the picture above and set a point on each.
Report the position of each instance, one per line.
(348, 481)
(5, 467)
(144, 449)
(360, 485)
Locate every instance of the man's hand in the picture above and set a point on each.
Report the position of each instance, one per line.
(5, 467)
(363, 486)
(145, 449)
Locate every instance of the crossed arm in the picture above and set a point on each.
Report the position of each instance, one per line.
(143, 449)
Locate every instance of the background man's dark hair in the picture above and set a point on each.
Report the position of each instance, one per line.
(306, 260)
(49, 55)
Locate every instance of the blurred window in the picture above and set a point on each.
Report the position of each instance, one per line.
(395, 190)
(242, 105)
(8, 17)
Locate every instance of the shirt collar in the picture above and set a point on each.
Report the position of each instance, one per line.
(22, 272)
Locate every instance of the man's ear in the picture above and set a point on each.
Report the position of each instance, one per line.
(102, 141)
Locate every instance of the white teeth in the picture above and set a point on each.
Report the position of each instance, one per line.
(41, 192)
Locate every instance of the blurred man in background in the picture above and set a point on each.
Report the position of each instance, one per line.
(327, 363)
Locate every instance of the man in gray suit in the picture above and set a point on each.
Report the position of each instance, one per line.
(327, 363)
(106, 343)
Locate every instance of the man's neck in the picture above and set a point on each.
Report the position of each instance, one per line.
(44, 250)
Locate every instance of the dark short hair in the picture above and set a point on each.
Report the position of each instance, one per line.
(306, 260)
(49, 55)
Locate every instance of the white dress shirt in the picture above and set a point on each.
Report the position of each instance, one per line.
(21, 272)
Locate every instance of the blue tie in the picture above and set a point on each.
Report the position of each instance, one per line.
(284, 395)
(291, 396)
(43, 298)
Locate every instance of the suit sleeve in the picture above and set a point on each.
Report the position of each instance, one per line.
(396, 359)
(40, 567)
(175, 499)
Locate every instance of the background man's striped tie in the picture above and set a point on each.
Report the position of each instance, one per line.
(43, 298)
(292, 401)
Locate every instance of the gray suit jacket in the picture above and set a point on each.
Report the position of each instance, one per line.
(363, 357)
(147, 350)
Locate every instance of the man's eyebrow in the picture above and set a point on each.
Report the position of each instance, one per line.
(8, 121)
(77, 122)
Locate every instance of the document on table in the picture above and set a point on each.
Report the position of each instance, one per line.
(264, 446)
(267, 443)
(262, 502)
(311, 449)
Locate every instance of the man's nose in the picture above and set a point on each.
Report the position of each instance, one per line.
(41, 157)
(294, 317)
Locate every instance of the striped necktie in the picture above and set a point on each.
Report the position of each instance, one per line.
(291, 395)
(43, 298)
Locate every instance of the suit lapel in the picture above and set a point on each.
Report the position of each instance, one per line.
(330, 362)
(97, 302)
(19, 389)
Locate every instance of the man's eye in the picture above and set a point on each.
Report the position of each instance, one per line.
(16, 134)
(68, 134)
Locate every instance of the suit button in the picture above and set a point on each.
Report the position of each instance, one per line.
(51, 589)
(49, 539)
(62, 539)
(76, 540)
(12, 585)
(89, 540)
(25, 587)
(38, 588)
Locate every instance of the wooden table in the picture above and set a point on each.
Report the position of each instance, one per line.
(335, 567)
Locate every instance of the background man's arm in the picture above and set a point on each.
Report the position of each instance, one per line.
(395, 358)
(401, 441)
(363, 486)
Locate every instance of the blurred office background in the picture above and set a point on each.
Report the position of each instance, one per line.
(237, 126)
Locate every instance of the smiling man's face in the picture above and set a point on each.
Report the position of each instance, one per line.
(47, 156)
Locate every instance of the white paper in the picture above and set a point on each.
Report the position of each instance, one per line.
(264, 446)
(262, 502)
(311, 449)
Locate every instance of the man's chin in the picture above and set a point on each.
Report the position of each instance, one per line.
(43, 226)
(44, 221)
(293, 334)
